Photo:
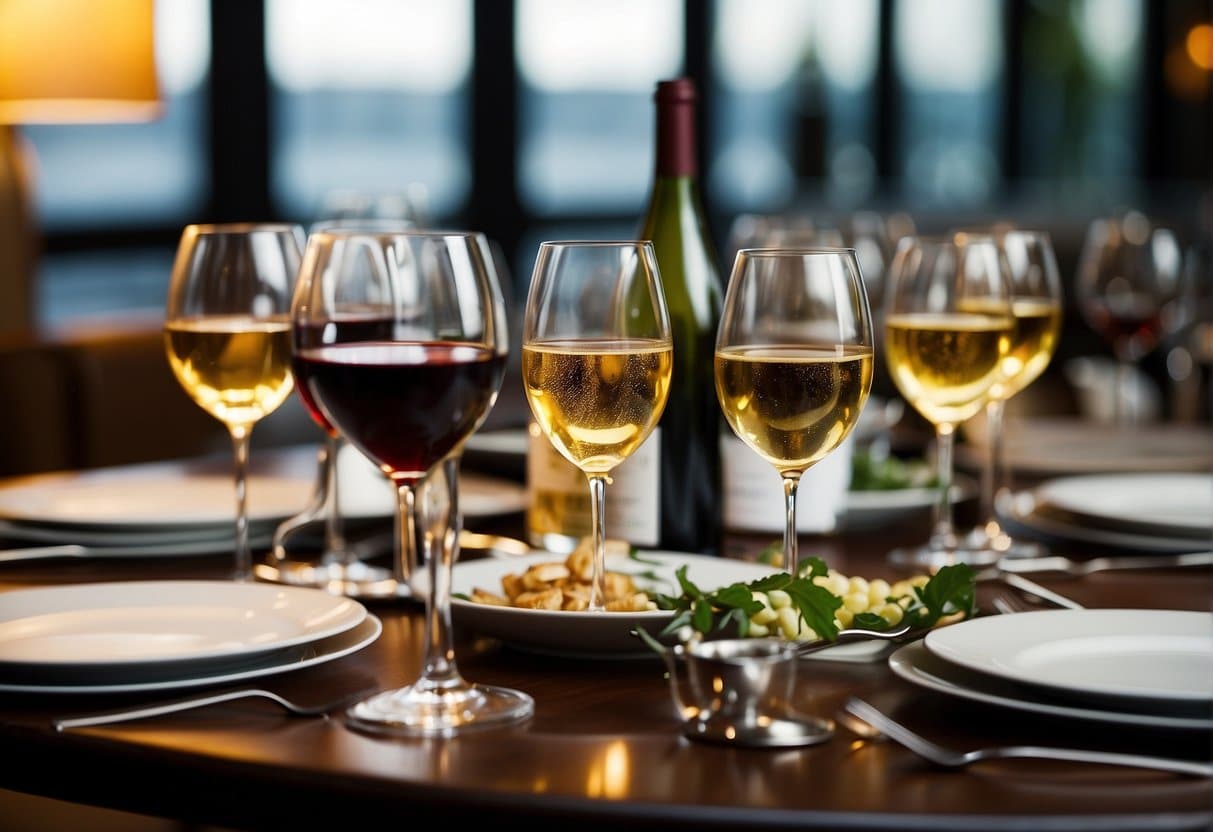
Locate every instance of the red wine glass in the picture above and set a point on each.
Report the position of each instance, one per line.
(408, 386)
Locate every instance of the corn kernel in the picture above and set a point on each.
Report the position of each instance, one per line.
(765, 615)
(844, 617)
(759, 630)
(789, 621)
(891, 613)
(878, 592)
(779, 599)
(856, 602)
(858, 585)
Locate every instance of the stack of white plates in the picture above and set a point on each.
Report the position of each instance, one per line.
(159, 635)
(188, 507)
(1149, 668)
(1171, 512)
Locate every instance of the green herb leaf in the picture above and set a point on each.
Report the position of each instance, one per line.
(816, 605)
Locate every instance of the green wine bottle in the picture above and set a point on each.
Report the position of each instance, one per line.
(689, 481)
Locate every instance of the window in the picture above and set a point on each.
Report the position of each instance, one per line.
(587, 72)
(369, 96)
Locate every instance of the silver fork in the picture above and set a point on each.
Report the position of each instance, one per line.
(1057, 563)
(189, 703)
(948, 758)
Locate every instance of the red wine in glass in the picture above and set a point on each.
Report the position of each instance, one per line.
(1131, 322)
(406, 405)
(336, 330)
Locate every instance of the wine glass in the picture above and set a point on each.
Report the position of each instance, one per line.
(1127, 288)
(1036, 304)
(339, 567)
(597, 356)
(794, 360)
(948, 327)
(227, 333)
(407, 384)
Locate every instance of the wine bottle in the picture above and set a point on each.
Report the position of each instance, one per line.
(667, 494)
(690, 505)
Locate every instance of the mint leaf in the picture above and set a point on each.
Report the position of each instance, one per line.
(812, 567)
(816, 605)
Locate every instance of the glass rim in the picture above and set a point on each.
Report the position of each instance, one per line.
(240, 227)
(593, 243)
(760, 251)
(353, 232)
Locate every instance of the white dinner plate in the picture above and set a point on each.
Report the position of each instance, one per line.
(280, 661)
(1022, 516)
(1155, 654)
(606, 634)
(1175, 504)
(144, 622)
(914, 663)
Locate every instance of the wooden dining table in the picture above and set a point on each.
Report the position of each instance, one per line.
(604, 747)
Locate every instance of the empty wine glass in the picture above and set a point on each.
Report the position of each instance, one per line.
(794, 359)
(597, 355)
(1127, 288)
(1036, 305)
(339, 566)
(407, 384)
(227, 334)
(948, 327)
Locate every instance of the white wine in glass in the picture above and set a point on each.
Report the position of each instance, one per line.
(596, 362)
(227, 333)
(948, 327)
(1036, 305)
(794, 360)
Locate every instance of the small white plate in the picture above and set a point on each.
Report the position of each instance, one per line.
(283, 661)
(605, 634)
(1156, 654)
(144, 622)
(916, 664)
(876, 508)
(1178, 504)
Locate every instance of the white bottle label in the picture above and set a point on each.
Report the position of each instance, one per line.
(558, 496)
(753, 490)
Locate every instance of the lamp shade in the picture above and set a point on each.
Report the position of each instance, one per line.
(71, 61)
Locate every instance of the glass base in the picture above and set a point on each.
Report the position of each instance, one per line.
(354, 580)
(932, 559)
(417, 710)
(1003, 545)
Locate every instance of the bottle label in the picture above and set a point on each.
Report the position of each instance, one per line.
(558, 496)
(753, 490)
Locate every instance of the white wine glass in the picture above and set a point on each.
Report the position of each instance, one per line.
(948, 326)
(408, 392)
(597, 355)
(227, 334)
(1128, 289)
(794, 359)
(339, 566)
(1036, 304)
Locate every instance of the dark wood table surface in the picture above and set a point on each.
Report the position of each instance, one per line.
(603, 748)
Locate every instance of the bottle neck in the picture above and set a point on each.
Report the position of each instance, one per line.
(676, 152)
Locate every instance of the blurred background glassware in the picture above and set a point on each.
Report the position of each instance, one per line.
(1190, 358)
(401, 345)
(340, 565)
(948, 327)
(1036, 304)
(1129, 290)
(227, 332)
(794, 360)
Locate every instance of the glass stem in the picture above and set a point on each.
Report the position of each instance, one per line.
(791, 541)
(334, 532)
(597, 539)
(439, 543)
(943, 538)
(1122, 415)
(244, 556)
(405, 566)
(992, 477)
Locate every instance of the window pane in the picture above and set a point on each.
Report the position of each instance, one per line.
(794, 82)
(588, 70)
(1080, 92)
(369, 96)
(92, 175)
(948, 56)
